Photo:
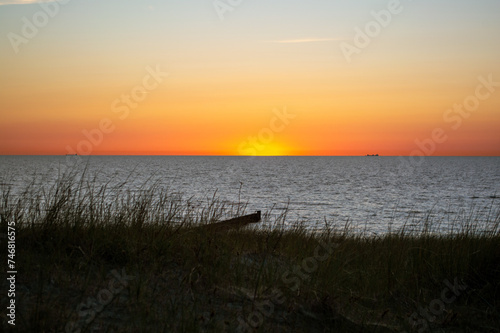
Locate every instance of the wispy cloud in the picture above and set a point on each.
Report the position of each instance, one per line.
(305, 40)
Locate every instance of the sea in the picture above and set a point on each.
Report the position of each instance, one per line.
(368, 194)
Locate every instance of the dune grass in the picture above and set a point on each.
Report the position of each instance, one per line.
(97, 257)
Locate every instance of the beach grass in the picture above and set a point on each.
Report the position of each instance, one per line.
(100, 257)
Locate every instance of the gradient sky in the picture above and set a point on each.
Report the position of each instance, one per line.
(227, 78)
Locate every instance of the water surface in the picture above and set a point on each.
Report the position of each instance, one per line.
(372, 193)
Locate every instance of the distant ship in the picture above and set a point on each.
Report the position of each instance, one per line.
(372, 155)
(71, 154)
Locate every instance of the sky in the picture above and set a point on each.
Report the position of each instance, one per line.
(241, 77)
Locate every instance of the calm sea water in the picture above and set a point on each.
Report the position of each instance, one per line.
(372, 193)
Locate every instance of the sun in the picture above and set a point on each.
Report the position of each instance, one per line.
(272, 150)
(254, 147)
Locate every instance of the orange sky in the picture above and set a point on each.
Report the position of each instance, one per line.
(229, 79)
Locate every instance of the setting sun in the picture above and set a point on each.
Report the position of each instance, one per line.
(272, 149)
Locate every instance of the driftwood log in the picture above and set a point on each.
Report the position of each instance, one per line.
(234, 223)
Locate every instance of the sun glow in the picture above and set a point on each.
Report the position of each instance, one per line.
(271, 149)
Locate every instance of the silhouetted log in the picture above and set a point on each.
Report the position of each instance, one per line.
(234, 223)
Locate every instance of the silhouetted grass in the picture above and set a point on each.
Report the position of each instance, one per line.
(71, 236)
